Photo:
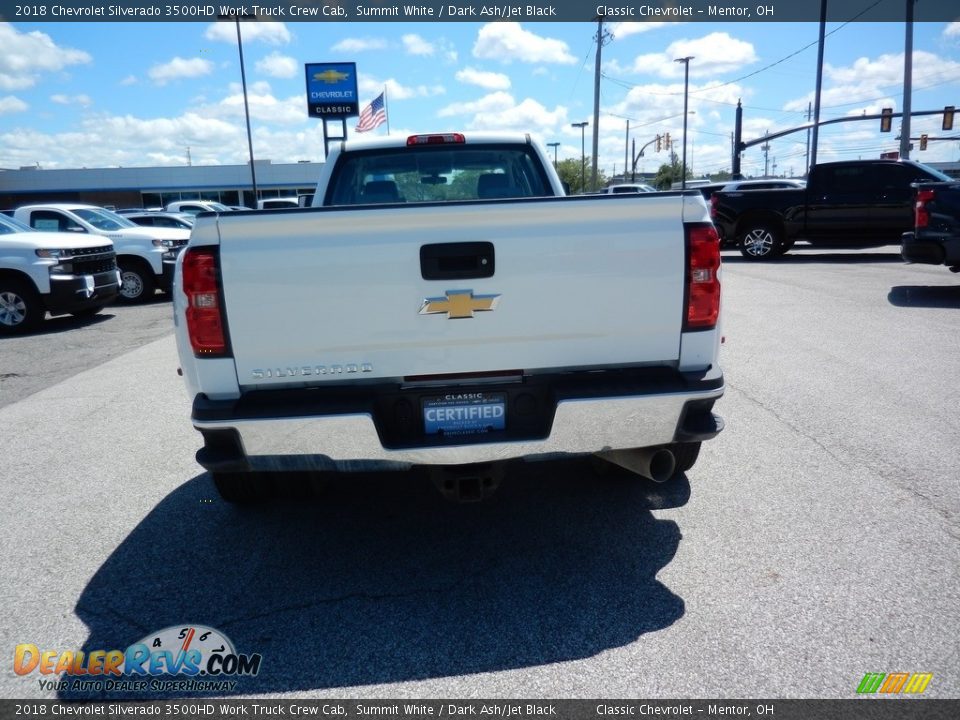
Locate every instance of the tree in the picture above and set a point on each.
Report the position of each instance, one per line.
(569, 171)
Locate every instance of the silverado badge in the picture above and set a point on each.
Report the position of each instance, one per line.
(459, 304)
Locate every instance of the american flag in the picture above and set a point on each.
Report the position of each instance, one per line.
(373, 115)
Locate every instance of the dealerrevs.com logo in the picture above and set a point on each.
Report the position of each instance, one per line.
(894, 683)
(203, 658)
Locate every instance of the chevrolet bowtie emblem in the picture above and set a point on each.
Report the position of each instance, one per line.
(459, 304)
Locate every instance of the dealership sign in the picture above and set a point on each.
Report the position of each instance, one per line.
(332, 90)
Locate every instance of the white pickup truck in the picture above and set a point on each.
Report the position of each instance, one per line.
(146, 256)
(52, 272)
(443, 304)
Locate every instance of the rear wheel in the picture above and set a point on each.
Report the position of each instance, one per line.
(762, 241)
(137, 283)
(243, 488)
(20, 307)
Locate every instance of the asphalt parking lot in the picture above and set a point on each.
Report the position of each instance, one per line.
(817, 539)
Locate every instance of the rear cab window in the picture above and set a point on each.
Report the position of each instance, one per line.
(436, 174)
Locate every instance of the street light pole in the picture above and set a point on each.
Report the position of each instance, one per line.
(583, 154)
(686, 85)
(554, 145)
(246, 103)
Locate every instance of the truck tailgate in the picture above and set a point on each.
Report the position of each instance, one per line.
(332, 294)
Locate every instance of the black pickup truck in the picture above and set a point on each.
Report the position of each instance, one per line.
(855, 202)
(935, 239)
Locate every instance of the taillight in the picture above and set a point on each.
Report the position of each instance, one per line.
(703, 283)
(714, 201)
(440, 139)
(921, 214)
(205, 326)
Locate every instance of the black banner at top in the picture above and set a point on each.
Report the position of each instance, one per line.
(477, 11)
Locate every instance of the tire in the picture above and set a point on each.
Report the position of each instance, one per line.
(686, 455)
(762, 241)
(137, 283)
(20, 307)
(243, 488)
(87, 312)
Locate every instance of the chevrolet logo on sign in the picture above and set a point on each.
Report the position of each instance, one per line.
(331, 76)
(459, 304)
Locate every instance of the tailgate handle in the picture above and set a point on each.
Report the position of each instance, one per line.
(456, 261)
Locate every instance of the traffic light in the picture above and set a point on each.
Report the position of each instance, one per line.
(666, 142)
(659, 143)
(886, 119)
(923, 141)
(948, 117)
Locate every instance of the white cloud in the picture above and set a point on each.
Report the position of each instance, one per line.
(416, 45)
(11, 104)
(871, 84)
(179, 68)
(129, 80)
(351, 45)
(952, 30)
(371, 87)
(81, 100)
(268, 32)
(714, 54)
(24, 56)
(500, 111)
(507, 41)
(625, 29)
(264, 106)
(279, 66)
(488, 80)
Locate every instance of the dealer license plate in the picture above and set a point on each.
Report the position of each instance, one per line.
(464, 413)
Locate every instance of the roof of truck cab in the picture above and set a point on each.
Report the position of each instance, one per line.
(400, 140)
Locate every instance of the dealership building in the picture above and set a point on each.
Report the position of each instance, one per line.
(151, 187)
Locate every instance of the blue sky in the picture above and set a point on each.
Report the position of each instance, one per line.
(141, 94)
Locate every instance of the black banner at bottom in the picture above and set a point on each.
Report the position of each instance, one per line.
(900, 708)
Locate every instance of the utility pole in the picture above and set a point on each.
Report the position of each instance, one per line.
(807, 163)
(686, 85)
(583, 162)
(766, 155)
(626, 151)
(907, 83)
(602, 38)
(816, 97)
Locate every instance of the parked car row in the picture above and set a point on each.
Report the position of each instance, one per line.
(71, 258)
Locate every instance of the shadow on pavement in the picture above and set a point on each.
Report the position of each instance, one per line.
(925, 296)
(381, 580)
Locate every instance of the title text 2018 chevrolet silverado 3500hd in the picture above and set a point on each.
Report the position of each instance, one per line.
(866, 202)
(442, 304)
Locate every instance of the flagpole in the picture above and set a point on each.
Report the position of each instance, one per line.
(386, 110)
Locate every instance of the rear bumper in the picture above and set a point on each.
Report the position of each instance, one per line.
(921, 251)
(372, 427)
(73, 293)
(944, 250)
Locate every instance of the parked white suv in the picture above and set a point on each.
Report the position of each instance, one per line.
(193, 207)
(146, 256)
(53, 272)
(277, 203)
